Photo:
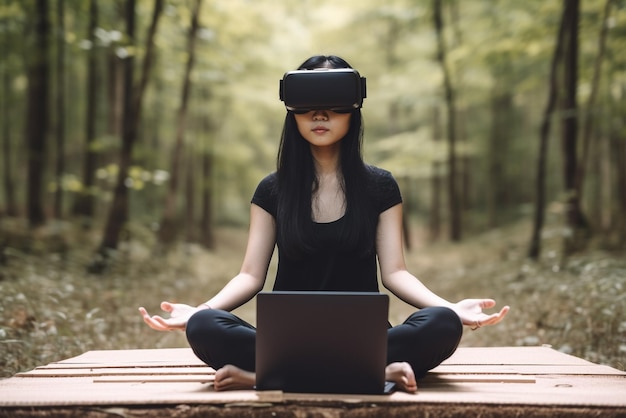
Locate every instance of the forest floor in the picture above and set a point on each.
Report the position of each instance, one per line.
(52, 309)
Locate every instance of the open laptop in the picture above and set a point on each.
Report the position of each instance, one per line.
(322, 342)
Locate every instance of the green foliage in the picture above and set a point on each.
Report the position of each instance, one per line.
(496, 48)
(576, 305)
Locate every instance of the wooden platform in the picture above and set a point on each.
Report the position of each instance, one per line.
(485, 382)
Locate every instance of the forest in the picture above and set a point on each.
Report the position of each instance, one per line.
(134, 132)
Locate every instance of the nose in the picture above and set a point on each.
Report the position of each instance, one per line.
(320, 115)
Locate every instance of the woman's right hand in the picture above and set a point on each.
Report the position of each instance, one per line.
(179, 315)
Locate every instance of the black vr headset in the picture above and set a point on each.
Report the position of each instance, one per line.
(339, 90)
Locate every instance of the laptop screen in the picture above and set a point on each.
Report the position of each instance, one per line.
(321, 342)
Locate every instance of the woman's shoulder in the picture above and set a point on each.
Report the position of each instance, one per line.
(379, 176)
(377, 171)
(266, 193)
(269, 181)
(383, 187)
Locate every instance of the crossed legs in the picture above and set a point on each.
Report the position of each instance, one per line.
(227, 343)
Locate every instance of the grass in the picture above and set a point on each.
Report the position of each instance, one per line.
(51, 309)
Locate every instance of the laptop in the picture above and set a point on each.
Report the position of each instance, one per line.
(322, 342)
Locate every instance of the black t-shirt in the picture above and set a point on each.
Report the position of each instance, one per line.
(330, 267)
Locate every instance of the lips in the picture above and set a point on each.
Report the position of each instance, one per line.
(320, 129)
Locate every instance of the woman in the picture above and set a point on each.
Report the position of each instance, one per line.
(332, 217)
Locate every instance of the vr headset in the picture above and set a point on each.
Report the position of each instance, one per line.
(339, 90)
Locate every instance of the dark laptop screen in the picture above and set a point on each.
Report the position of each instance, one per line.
(321, 342)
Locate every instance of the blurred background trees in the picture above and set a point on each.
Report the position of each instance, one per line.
(161, 115)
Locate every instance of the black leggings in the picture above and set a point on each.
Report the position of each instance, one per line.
(424, 340)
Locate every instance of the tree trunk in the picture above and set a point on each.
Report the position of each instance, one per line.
(577, 230)
(84, 206)
(498, 191)
(453, 195)
(391, 39)
(534, 250)
(435, 203)
(7, 149)
(190, 199)
(597, 158)
(147, 62)
(620, 167)
(405, 184)
(463, 170)
(115, 93)
(60, 110)
(614, 174)
(169, 227)
(115, 90)
(37, 115)
(591, 101)
(208, 237)
(621, 176)
(118, 212)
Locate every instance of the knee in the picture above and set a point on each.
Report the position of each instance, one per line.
(441, 321)
(449, 323)
(200, 325)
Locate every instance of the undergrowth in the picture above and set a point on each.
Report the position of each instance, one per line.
(52, 309)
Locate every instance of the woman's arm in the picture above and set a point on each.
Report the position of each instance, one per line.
(407, 287)
(251, 277)
(241, 288)
(394, 274)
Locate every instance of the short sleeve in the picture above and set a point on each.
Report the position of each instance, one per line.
(385, 189)
(266, 194)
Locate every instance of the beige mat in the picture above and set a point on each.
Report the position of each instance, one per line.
(496, 375)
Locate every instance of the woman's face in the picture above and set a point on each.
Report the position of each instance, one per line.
(323, 128)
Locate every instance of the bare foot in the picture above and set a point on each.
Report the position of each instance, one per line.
(402, 375)
(233, 378)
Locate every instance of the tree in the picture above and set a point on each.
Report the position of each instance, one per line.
(169, 227)
(544, 134)
(147, 63)
(118, 213)
(577, 227)
(37, 114)
(619, 156)
(494, 77)
(84, 205)
(190, 198)
(591, 101)
(436, 176)
(60, 109)
(7, 149)
(453, 195)
(498, 190)
(207, 237)
(208, 126)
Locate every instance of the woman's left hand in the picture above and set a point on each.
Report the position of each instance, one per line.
(471, 312)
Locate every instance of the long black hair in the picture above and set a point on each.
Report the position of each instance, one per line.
(297, 183)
